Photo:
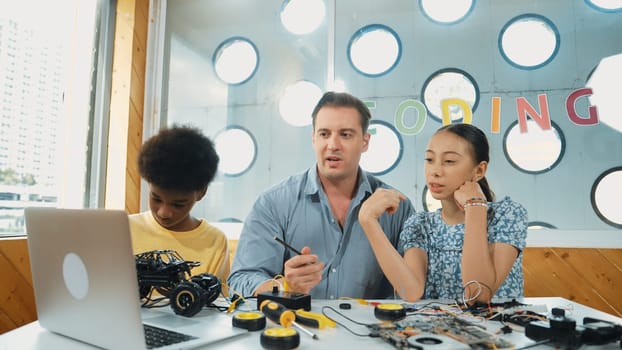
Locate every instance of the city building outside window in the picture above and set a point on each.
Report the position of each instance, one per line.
(48, 89)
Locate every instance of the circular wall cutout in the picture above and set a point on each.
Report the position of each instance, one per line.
(297, 102)
(529, 41)
(449, 83)
(235, 60)
(605, 5)
(539, 225)
(374, 50)
(604, 80)
(385, 148)
(446, 11)
(302, 16)
(605, 195)
(237, 150)
(536, 151)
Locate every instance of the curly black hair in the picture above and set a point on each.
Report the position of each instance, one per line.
(178, 158)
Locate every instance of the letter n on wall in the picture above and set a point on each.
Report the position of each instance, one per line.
(524, 108)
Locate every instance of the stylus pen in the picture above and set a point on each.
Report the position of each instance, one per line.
(287, 245)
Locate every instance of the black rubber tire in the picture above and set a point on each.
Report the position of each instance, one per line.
(251, 321)
(389, 312)
(280, 338)
(210, 284)
(187, 299)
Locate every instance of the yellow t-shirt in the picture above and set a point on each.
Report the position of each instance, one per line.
(205, 244)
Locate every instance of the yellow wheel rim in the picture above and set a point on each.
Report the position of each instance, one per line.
(390, 306)
(280, 332)
(248, 316)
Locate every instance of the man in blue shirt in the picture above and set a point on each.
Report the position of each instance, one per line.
(317, 212)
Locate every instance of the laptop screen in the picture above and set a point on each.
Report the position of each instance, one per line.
(85, 282)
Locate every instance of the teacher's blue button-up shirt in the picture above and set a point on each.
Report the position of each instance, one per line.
(298, 211)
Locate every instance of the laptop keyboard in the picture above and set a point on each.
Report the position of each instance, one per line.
(158, 337)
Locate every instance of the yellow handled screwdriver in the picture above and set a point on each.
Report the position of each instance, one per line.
(277, 313)
(313, 319)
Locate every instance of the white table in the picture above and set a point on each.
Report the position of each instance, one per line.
(32, 336)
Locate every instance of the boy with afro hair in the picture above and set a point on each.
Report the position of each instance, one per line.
(178, 163)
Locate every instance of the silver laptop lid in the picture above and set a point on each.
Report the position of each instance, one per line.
(72, 253)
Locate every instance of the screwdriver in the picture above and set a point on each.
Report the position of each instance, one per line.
(312, 319)
(277, 313)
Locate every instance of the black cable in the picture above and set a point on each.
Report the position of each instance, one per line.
(218, 307)
(151, 302)
(412, 309)
(347, 318)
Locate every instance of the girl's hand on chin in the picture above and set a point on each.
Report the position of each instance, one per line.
(468, 190)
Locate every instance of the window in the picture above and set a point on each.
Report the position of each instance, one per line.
(237, 150)
(302, 16)
(536, 151)
(236, 60)
(539, 225)
(297, 102)
(605, 84)
(605, 196)
(46, 85)
(447, 84)
(605, 5)
(385, 148)
(374, 50)
(447, 11)
(529, 41)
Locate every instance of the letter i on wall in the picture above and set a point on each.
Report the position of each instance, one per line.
(495, 115)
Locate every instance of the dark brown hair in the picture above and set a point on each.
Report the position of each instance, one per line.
(342, 99)
(479, 148)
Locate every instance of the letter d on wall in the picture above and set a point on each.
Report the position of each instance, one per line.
(466, 110)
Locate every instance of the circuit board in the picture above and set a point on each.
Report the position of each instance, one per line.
(400, 333)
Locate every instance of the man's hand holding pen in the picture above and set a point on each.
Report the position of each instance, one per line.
(303, 272)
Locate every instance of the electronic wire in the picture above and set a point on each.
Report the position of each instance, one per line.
(347, 318)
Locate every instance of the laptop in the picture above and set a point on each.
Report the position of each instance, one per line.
(86, 288)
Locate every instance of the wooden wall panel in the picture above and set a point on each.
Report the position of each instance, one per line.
(126, 104)
(137, 98)
(591, 277)
(614, 257)
(17, 300)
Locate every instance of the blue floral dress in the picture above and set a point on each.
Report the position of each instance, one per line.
(507, 223)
